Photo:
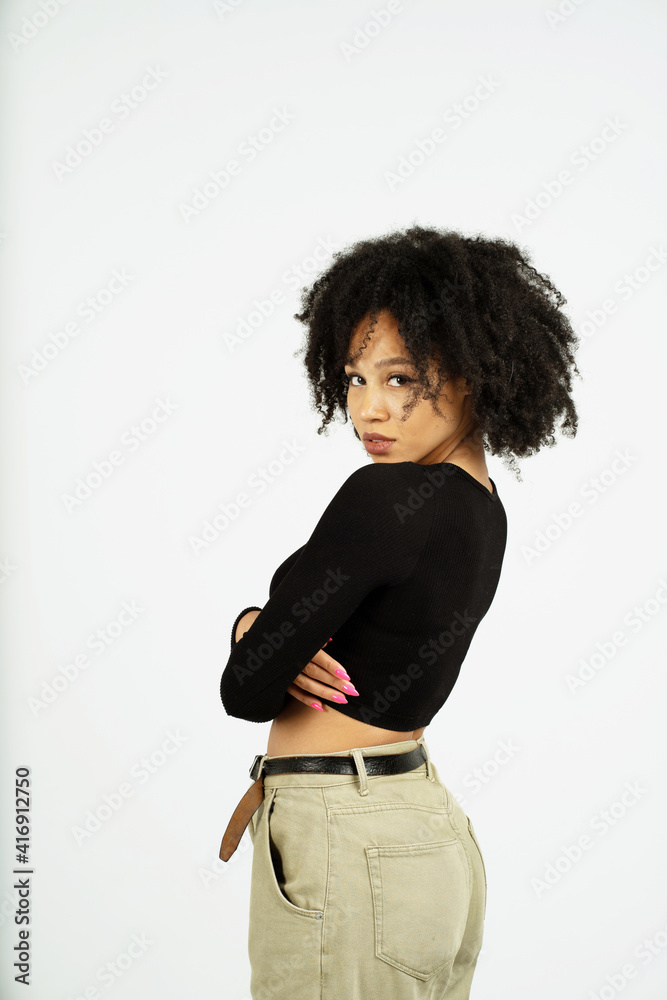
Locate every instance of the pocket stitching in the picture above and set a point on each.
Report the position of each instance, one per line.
(375, 852)
(382, 807)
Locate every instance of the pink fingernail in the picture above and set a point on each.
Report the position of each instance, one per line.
(350, 688)
(341, 672)
(315, 705)
(339, 697)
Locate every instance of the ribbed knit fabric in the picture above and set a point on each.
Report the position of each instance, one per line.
(399, 570)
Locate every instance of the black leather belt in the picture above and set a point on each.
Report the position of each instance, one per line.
(386, 763)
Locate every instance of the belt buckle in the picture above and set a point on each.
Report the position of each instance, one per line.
(254, 772)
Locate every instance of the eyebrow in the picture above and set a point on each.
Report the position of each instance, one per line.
(388, 361)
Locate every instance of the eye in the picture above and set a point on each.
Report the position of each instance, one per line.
(347, 379)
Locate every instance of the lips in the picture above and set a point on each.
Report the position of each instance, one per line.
(376, 437)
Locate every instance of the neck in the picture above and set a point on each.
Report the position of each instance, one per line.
(464, 445)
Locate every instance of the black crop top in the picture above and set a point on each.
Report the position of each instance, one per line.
(399, 571)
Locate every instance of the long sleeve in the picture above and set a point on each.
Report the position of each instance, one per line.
(284, 568)
(252, 607)
(368, 537)
(275, 579)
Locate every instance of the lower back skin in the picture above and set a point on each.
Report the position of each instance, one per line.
(302, 729)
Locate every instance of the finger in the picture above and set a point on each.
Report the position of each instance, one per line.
(327, 662)
(302, 696)
(321, 690)
(313, 672)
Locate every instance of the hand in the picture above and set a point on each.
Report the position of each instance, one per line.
(319, 678)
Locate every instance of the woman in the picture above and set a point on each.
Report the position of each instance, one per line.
(367, 877)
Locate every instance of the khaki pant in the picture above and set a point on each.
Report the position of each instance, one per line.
(364, 886)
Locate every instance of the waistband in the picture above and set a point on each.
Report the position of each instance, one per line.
(358, 754)
(254, 796)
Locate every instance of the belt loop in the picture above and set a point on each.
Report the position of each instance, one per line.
(429, 764)
(257, 765)
(361, 770)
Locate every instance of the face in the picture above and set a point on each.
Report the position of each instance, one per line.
(381, 380)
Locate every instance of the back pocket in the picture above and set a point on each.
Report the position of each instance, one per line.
(421, 896)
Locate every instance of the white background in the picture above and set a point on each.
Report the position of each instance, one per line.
(360, 101)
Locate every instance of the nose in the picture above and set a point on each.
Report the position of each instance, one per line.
(372, 404)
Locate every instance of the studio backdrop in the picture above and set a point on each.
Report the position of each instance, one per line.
(173, 175)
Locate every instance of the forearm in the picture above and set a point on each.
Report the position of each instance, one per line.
(244, 624)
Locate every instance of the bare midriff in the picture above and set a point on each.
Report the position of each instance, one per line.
(301, 729)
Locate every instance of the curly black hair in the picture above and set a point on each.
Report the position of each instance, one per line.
(467, 306)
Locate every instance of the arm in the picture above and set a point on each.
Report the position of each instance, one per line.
(245, 618)
(244, 623)
(361, 542)
(236, 632)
